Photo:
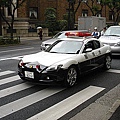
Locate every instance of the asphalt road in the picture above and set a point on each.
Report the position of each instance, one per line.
(95, 97)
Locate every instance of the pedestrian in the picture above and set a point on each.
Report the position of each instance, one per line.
(103, 31)
(40, 33)
(95, 33)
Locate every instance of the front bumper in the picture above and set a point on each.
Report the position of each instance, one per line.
(115, 50)
(43, 77)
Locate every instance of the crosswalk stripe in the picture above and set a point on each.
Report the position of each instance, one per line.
(14, 89)
(65, 106)
(8, 80)
(114, 71)
(6, 72)
(26, 101)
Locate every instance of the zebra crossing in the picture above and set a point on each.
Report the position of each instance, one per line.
(15, 106)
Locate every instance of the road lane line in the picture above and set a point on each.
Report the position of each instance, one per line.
(14, 89)
(6, 72)
(65, 106)
(114, 71)
(8, 80)
(26, 101)
(18, 58)
(16, 50)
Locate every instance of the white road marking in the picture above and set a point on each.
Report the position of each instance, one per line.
(114, 71)
(8, 80)
(16, 50)
(16, 58)
(6, 72)
(65, 106)
(14, 89)
(26, 101)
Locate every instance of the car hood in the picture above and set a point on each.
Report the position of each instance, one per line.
(47, 59)
(109, 39)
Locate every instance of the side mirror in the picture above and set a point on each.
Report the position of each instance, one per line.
(88, 50)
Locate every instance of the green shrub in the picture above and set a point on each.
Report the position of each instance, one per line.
(9, 40)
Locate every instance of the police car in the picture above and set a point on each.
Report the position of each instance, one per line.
(64, 61)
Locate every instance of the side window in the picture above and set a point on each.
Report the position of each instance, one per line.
(88, 45)
(96, 44)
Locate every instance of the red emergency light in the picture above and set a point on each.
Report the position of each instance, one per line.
(79, 34)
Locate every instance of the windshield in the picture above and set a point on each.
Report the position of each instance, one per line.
(65, 47)
(115, 31)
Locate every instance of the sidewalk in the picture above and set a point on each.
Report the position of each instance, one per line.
(32, 38)
(107, 107)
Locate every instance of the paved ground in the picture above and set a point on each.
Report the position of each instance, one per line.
(32, 38)
(99, 109)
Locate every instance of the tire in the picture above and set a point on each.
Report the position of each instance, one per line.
(71, 77)
(107, 64)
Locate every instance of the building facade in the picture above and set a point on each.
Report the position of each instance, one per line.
(38, 7)
(32, 12)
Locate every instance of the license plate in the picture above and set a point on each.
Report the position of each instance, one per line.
(29, 74)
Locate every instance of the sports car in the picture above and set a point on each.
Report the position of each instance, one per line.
(64, 61)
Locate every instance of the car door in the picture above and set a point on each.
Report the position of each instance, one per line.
(89, 58)
(99, 58)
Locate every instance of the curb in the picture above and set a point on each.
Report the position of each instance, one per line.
(112, 110)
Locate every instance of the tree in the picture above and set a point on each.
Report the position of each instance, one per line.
(114, 6)
(12, 6)
(50, 19)
(94, 6)
(72, 11)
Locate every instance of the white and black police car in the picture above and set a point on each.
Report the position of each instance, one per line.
(64, 61)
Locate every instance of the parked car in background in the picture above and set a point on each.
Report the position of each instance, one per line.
(112, 38)
(64, 34)
(64, 60)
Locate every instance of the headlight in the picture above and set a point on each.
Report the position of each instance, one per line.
(52, 68)
(21, 63)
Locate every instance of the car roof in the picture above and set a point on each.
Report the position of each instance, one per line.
(82, 39)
